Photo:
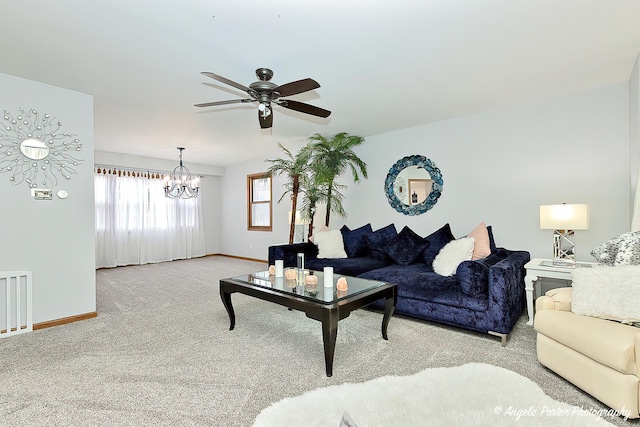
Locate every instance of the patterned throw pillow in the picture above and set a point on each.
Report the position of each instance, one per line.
(346, 421)
(620, 250)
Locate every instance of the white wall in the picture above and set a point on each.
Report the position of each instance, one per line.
(209, 193)
(498, 167)
(52, 238)
(634, 132)
(235, 238)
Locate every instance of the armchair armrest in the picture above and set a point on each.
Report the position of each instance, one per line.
(288, 253)
(556, 299)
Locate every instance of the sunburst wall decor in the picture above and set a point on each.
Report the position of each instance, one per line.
(35, 151)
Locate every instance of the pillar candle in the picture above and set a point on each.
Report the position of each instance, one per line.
(279, 268)
(328, 277)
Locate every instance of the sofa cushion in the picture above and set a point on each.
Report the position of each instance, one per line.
(346, 266)
(436, 289)
(396, 273)
(288, 253)
(355, 243)
(452, 254)
(604, 341)
(378, 239)
(437, 240)
(330, 244)
(481, 246)
(620, 250)
(416, 282)
(406, 247)
(473, 277)
(495, 257)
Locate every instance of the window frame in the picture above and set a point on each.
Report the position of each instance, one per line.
(250, 202)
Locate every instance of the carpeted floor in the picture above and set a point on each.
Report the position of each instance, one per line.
(160, 353)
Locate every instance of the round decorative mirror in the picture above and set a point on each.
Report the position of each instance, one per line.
(413, 185)
(34, 149)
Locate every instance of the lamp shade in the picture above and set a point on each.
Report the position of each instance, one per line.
(299, 220)
(564, 217)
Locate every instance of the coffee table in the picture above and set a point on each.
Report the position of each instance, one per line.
(327, 305)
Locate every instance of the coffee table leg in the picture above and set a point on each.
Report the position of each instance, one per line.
(226, 300)
(329, 333)
(389, 308)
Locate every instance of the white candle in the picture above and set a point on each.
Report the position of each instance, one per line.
(328, 277)
(279, 268)
(327, 295)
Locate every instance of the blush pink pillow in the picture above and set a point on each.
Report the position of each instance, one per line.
(481, 248)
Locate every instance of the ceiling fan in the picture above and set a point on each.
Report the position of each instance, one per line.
(267, 93)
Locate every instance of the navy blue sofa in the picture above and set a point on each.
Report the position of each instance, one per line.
(485, 295)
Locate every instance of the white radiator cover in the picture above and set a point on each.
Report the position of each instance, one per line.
(16, 315)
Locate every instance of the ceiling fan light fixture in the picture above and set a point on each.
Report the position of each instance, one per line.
(264, 109)
(266, 93)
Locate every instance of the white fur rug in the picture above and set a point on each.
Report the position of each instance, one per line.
(474, 394)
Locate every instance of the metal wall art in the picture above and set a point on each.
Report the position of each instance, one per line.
(422, 171)
(35, 151)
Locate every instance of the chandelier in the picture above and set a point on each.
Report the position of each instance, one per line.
(180, 184)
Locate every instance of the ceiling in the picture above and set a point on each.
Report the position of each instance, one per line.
(382, 66)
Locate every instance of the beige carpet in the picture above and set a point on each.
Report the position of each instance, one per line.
(160, 354)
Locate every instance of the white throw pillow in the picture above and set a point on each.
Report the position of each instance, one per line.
(607, 292)
(330, 244)
(452, 254)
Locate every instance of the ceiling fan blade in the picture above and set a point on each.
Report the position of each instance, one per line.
(298, 86)
(225, 81)
(266, 122)
(232, 101)
(304, 108)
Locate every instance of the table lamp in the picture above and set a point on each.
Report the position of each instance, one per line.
(563, 220)
(299, 221)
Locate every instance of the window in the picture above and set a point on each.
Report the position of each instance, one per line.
(137, 224)
(259, 202)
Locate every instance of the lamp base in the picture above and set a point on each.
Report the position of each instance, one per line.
(564, 263)
(563, 246)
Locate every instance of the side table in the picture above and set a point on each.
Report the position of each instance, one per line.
(539, 268)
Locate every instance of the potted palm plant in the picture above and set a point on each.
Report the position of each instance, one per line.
(294, 167)
(315, 192)
(332, 157)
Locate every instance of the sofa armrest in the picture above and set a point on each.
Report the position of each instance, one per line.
(288, 253)
(556, 299)
(506, 289)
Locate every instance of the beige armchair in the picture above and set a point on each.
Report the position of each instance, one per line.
(602, 357)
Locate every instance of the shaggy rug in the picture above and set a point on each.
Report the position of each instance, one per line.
(475, 394)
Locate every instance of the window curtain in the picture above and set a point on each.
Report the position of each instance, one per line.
(137, 224)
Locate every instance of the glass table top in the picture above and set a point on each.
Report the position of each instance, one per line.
(318, 293)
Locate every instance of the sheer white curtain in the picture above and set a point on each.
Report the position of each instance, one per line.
(137, 224)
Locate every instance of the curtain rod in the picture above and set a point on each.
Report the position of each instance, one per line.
(132, 169)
